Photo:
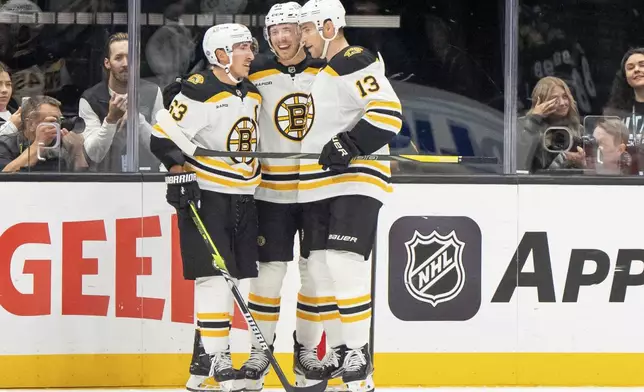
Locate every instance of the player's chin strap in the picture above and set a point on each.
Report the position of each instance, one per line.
(327, 41)
(227, 69)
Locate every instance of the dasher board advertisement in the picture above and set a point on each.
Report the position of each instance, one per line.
(475, 285)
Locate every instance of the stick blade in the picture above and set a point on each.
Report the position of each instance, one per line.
(319, 387)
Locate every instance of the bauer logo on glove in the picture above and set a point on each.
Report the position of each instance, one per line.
(338, 152)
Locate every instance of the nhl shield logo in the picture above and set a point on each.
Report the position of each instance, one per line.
(434, 272)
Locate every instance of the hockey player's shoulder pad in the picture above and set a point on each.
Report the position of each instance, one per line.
(351, 59)
(261, 63)
(252, 91)
(201, 86)
(315, 63)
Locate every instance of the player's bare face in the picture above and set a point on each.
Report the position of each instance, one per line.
(311, 39)
(634, 69)
(242, 57)
(285, 39)
(6, 90)
(117, 63)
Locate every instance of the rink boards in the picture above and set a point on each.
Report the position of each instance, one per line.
(92, 293)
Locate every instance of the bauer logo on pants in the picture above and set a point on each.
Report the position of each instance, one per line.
(434, 268)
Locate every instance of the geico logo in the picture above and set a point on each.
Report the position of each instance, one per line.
(339, 237)
(130, 260)
(581, 260)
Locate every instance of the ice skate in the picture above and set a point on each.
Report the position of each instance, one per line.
(255, 369)
(331, 365)
(198, 383)
(221, 369)
(304, 360)
(199, 380)
(358, 370)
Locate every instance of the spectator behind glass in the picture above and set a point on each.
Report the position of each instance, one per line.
(170, 51)
(104, 109)
(552, 106)
(19, 151)
(10, 122)
(627, 95)
(612, 158)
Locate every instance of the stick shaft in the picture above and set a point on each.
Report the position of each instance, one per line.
(380, 157)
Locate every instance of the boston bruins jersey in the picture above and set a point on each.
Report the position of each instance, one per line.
(284, 119)
(216, 116)
(47, 79)
(351, 94)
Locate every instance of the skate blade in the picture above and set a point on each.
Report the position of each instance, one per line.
(301, 381)
(202, 384)
(366, 385)
(232, 386)
(253, 385)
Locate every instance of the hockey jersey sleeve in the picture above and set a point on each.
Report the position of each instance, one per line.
(191, 117)
(364, 80)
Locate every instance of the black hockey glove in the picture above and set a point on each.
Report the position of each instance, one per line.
(338, 152)
(182, 188)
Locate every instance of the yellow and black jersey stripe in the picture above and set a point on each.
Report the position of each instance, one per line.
(280, 178)
(214, 325)
(264, 66)
(220, 173)
(381, 121)
(386, 115)
(210, 170)
(366, 172)
(204, 86)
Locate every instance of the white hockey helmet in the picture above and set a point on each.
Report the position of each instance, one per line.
(279, 14)
(224, 36)
(318, 11)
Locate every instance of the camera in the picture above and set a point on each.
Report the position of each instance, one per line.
(74, 124)
(561, 139)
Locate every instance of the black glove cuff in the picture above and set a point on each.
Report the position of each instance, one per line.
(180, 178)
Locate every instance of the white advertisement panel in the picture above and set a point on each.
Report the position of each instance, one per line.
(475, 285)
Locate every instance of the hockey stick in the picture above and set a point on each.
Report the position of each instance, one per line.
(220, 265)
(169, 127)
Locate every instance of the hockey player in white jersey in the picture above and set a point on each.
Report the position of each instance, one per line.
(284, 80)
(217, 109)
(357, 112)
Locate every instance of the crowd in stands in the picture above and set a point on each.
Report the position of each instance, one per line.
(50, 123)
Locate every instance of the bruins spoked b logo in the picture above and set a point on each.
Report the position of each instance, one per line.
(243, 137)
(294, 115)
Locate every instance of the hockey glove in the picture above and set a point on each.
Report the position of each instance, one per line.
(182, 188)
(338, 152)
